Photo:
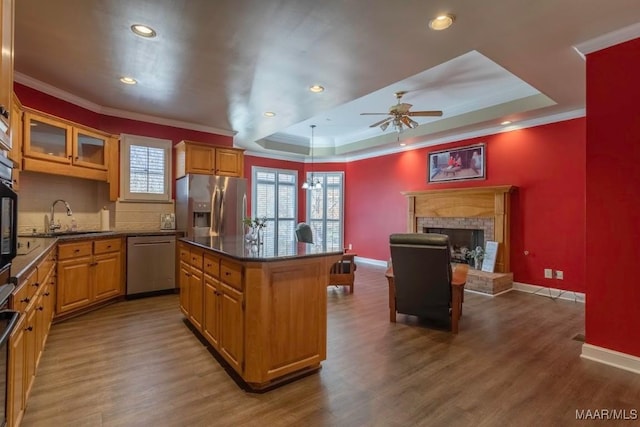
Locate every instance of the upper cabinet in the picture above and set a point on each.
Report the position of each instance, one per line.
(207, 159)
(54, 145)
(6, 71)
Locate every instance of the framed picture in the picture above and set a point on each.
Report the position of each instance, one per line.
(457, 164)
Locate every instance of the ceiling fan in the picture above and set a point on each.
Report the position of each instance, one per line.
(400, 116)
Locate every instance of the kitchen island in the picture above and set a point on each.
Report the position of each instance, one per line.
(265, 315)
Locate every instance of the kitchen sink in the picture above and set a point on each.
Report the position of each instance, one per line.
(60, 233)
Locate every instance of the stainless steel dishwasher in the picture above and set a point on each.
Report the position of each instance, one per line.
(151, 265)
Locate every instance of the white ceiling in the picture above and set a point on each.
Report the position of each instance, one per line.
(218, 65)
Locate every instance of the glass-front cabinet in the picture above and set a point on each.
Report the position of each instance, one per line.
(51, 139)
(46, 138)
(89, 149)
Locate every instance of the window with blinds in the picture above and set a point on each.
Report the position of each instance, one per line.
(274, 197)
(145, 170)
(325, 208)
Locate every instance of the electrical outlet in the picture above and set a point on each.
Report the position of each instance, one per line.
(559, 275)
(350, 246)
(548, 273)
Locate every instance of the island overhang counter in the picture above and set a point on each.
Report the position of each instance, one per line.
(265, 315)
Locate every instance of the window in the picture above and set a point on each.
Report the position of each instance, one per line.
(145, 168)
(274, 197)
(325, 210)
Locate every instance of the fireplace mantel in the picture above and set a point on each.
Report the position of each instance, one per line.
(475, 202)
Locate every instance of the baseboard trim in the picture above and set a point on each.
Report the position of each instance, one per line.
(371, 261)
(613, 358)
(552, 293)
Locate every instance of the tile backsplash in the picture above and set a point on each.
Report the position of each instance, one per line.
(86, 198)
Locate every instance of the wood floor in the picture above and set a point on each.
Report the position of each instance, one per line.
(514, 362)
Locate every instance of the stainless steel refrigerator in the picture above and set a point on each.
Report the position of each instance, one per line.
(209, 205)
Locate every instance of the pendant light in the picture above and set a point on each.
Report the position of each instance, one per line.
(311, 183)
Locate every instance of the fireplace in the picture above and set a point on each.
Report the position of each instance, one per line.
(461, 240)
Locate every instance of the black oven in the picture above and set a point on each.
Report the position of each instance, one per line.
(8, 214)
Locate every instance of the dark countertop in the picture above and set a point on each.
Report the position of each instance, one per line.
(22, 264)
(235, 247)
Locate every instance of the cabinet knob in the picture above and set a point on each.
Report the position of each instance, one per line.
(36, 284)
(76, 250)
(41, 308)
(226, 273)
(46, 294)
(25, 299)
(29, 328)
(208, 265)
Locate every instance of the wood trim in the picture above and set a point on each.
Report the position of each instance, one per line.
(45, 166)
(474, 202)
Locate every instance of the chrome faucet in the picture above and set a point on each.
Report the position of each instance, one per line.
(52, 225)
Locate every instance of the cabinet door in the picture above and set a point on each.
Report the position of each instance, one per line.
(89, 149)
(183, 280)
(16, 383)
(30, 350)
(232, 327)
(228, 162)
(106, 274)
(6, 71)
(200, 159)
(196, 305)
(46, 139)
(16, 133)
(40, 329)
(74, 289)
(211, 324)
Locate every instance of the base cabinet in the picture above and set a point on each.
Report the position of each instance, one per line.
(32, 297)
(89, 272)
(267, 319)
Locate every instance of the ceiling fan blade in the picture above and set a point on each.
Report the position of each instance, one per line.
(405, 120)
(425, 113)
(381, 122)
(373, 114)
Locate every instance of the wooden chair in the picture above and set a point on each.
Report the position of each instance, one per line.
(343, 272)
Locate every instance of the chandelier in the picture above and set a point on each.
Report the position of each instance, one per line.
(312, 183)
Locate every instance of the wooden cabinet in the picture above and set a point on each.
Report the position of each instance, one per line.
(57, 146)
(6, 71)
(191, 284)
(32, 298)
(267, 319)
(224, 308)
(199, 158)
(16, 375)
(15, 153)
(89, 272)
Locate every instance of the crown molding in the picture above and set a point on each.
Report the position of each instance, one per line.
(114, 112)
(607, 40)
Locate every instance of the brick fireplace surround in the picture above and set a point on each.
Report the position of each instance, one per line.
(484, 208)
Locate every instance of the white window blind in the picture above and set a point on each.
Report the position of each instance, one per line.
(274, 197)
(325, 208)
(145, 168)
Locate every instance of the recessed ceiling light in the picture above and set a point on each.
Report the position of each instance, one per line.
(128, 80)
(316, 89)
(143, 31)
(441, 22)
(402, 144)
(269, 114)
(506, 122)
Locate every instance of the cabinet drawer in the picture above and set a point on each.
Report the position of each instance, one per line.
(212, 265)
(231, 273)
(45, 267)
(106, 246)
(195, 259)
(74, 250)
(24, 293)
(184, 254)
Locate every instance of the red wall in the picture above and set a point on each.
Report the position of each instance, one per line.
(546, 163)
(612, 202)
(40, 101)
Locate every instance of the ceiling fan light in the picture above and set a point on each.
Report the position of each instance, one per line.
(317, 185)
(413, 124)
(384, 126)
(305, 185)
(441, 22)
